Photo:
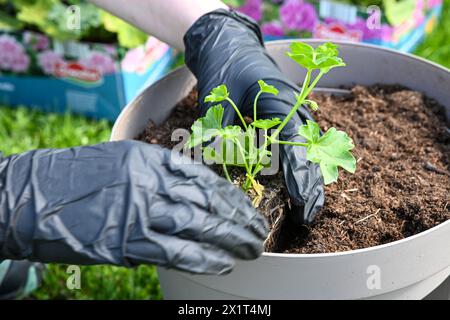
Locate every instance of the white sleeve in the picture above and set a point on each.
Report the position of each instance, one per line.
(168, 20)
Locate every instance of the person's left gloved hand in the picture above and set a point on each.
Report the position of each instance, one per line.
(225, 47)
(124, 203)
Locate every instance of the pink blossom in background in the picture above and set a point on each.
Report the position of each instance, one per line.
(253, 8)
(433, 3)
(110, 49)
(418, 15)
(133, 59)
(12, 55)
(298, 15)
(21, 63)
(99, 61)
(48, 61)
(36, 41)
(274, 28)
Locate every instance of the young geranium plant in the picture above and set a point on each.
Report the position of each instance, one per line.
(236, 146)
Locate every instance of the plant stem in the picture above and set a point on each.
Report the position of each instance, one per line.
(247, 183)
(241, 150)
(225, 170)
(306, 90)
(238, 112)
(300, 144)
(313, 84)
(303, 94)
(255, 104)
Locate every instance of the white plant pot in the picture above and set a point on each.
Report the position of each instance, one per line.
(412, 268)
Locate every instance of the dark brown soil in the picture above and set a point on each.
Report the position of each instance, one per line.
(401, 186)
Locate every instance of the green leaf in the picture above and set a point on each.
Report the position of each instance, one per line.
(227, 148)
(204, 129)
(218, 94)
(50, 17)
(232, 132)
(266, 88)
(37, 14)
(128, 35)
(327, 57)
(210, 154)
(303, 54)
(8, 22)
(310, 131)
(328, 50)
(398, 12)
(324, 57)
(312, 104)
(266, 124)
(330, 151)
(234, 3)
(224, 151)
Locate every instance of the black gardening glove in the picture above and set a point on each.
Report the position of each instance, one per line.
(123, 203)
(225, 47)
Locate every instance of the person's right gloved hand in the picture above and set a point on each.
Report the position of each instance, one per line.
(226, 47)
(123, 203)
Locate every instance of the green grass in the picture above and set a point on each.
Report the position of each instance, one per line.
(24, 129)
(436, 46)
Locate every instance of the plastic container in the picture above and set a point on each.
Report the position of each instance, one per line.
(412, 268)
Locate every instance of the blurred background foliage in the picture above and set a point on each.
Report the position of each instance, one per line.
(22, 130)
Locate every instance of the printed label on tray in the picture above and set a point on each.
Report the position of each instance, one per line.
(78, 73)
(339, 11)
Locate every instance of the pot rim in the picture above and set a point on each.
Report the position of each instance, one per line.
(314, 41)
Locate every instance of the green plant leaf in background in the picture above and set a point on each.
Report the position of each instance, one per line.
(128, 35)
(234, 3)
(330, 151)
(9, 23)
(37, 13)
(436, 46)
(398, 11)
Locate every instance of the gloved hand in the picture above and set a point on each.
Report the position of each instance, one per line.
(225, 47)
(123, 203)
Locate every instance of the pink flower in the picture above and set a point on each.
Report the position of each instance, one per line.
(433, 3)
(99, 61)
(274, 28)
(48, 61)
(418, 15)
(133, 59)
(12, 55)
(298, 15)
(21, 63)
(252, 8)
(36, 41)
(110, 49)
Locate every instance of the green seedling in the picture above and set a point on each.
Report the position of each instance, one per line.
(237, 145)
